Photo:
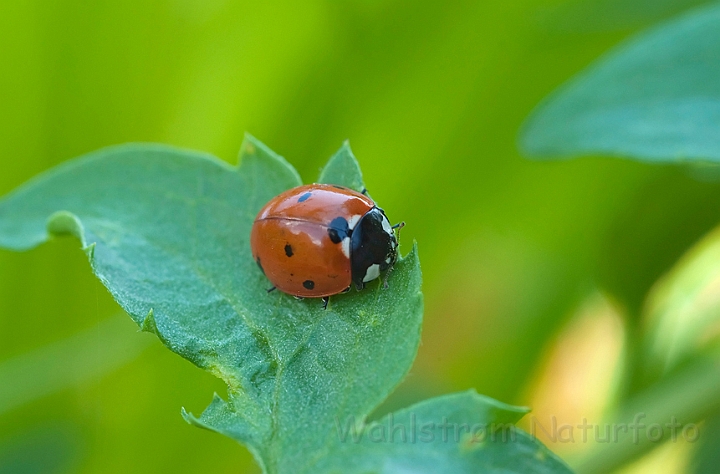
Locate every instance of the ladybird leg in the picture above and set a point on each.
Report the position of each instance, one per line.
(346, 290)
(385, 280)
(270, 290)
(360, 286)
(325, 301)
(299, 298)
(364, 192)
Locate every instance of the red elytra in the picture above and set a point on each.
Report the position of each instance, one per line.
(293, 243)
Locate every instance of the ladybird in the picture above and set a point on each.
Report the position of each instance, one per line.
(317, 240)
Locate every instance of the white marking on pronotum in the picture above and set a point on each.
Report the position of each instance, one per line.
(386, 225)
(345, 246)
(352, 222)
(372, 272)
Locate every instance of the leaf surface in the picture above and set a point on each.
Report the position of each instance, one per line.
(167, 231)
(462, 432)
(655, 97)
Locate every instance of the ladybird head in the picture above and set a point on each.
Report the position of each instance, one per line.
(373, 247)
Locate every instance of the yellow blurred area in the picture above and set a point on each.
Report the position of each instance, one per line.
(670, 458)
(681, 314)
(577, 382)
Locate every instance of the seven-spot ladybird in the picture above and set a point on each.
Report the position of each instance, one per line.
(316, 240)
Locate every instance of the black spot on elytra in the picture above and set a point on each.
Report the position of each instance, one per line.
(334, 236)
(304, 197)
(309, 284)
(260, 265)
(338, 230)
(288, 250)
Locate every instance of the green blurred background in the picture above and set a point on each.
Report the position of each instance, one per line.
(430, 95)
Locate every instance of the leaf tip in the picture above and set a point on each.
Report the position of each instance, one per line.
(90, 250)
(533, 141)
(251, 146)
(515, 412)
(149, 325)
(343, 169)
(198, 421)
(65, 223)
(346, 147)
(248, 146)
(190, 418)
(253, 150)
(412, 255)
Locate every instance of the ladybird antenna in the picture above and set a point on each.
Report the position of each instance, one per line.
(397, 228)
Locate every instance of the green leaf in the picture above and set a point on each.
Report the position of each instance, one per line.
(343, 169)
(463, 432)
(656, 97)
(706, 457)
(167, 231)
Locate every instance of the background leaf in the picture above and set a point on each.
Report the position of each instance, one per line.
(707, 455)
(683, 309)
(655, 97)
(51, 448)
(687, 396)
(463, 432)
